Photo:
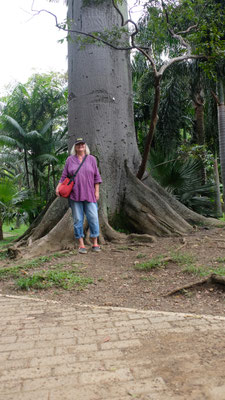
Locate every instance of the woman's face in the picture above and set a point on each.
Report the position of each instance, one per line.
(80, 147)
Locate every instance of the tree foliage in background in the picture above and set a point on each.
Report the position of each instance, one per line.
(179, 172)
(33, 134)
(187, 111)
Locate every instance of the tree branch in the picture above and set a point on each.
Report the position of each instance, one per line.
(91, 35)
(180, 39)
(188, 29)
(149, 58)
(176, 35)
(141, 49)
(180, 58)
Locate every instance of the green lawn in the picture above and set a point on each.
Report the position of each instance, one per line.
(14, 233)
(9, 228)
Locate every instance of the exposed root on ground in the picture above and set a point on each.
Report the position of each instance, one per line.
(59, 238)
(149, 212)
(53, 215)
(213, 278)
(145, 238)
(188, 215)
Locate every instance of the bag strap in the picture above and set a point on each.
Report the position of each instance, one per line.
(73, 176)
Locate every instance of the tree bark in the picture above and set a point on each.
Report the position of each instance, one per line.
(199, 115)
(200, 128)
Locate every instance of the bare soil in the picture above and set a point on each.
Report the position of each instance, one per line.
(117, 282)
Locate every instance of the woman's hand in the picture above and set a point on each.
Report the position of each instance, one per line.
(97, 194)
(57, 190)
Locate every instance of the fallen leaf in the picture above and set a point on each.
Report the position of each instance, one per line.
(24, 272)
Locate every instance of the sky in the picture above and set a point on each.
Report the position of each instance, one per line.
(29, 43)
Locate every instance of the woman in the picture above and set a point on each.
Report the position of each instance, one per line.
(85, 193)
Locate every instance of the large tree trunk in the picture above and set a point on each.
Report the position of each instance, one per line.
(101, 111)
(100, 100)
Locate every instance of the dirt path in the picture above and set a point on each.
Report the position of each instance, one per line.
(118, 280)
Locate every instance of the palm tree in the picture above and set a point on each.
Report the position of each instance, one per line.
(180, 176)
(34, 121)
(15, 136)
(39, 149)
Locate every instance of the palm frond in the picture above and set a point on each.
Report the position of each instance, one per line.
(8, 141)
(34, 135)
(183, 179)
(47, 126)
(7, 190)
(16, 125)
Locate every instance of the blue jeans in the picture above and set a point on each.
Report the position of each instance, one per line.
(79, 208)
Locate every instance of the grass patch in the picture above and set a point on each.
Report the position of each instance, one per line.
(5, 242)
(204, 271)
(182, 258)
(140, 255)
(16, 270)
(9, 272)
(218, 271)
(55, 274)
(193, 269)
(220, 259)
(188, 262)
(46, 279)
(156, 262)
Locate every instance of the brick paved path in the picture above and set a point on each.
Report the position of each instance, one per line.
(49, 351)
